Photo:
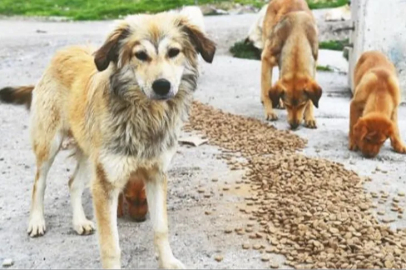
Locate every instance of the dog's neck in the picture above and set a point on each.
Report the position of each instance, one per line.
(142, 127)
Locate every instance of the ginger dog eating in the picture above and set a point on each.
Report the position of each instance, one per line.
(373, 109)
(291, 43)
(123, 104)
(134, 200)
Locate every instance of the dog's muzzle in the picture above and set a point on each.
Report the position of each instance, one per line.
(294, 124)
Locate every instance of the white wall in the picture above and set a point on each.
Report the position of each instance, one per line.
(380, 25)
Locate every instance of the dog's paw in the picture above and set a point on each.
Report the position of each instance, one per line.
(36, 226)
(311, 123)
(271, 116)
(173, 264)
(83, 227)
(400, 149)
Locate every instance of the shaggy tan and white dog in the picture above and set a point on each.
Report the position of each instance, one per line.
(123, 105)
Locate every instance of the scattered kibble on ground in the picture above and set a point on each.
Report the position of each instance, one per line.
(219, 258)
(312, 211)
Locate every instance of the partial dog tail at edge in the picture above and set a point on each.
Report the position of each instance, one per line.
(21, 95)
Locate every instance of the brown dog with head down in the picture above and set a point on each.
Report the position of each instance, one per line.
(373, 111)
(291, 43)
(134, 200)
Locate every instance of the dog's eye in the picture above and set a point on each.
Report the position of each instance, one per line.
(173, 52)
(141, 55)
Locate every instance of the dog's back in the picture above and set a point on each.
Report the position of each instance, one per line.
(372, 61)
(378, 74)
(298, 35)
(60, 97)
(278, 9)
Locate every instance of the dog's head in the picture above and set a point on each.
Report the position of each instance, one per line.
(295, 94)
(371, 132)
(136, 199)
(153, 54)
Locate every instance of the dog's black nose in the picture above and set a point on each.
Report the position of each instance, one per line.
(161, 87)
(294, 125)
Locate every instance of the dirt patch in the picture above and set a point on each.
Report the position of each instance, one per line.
(312, 211)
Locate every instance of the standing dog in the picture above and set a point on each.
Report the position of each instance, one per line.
(124, 105)
(291, 43)
(374, 107)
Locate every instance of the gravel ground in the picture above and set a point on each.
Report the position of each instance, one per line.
(230, 84)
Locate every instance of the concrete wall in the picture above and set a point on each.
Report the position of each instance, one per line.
(379, 25)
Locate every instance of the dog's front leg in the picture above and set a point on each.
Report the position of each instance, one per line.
(266, 83)
(156, 197)
(396, 141)
(310, 121)
(355, 114)
(105, 198)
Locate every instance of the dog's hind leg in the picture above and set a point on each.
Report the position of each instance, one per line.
(45, 148)
(77, 185)
(156, 197)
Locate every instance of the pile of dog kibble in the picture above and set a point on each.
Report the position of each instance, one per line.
(312, 211)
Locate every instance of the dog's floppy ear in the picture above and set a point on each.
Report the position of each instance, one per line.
(371, 136)
(360, 130)
(203, 45)
(110, 50)
(314, 92)
(276, 93)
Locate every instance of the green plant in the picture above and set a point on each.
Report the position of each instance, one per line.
(317, 4)
(336, 45)
(324, 68)
(246, 50)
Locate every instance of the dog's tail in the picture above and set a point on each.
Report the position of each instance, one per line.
(21, 95)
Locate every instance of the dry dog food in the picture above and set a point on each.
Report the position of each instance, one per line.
(312, 211)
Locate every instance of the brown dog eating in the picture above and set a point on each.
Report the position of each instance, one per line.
(134, 200)
(373, 111)
(291, 43)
